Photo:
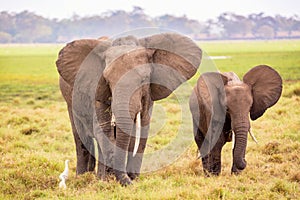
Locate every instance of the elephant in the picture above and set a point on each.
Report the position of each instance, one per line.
(110, 86)
(220, 105)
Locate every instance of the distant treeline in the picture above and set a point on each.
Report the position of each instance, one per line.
(27, 27)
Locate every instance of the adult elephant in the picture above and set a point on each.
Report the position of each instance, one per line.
(110, 86)
(220, 105)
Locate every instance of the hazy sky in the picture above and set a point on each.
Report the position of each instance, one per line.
(202, 10)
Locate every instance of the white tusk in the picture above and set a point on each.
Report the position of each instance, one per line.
(138, 133)
(113, 120)
(198, 156)
(233, 139)
(252, 136)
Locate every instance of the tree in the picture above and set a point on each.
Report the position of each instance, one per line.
(7, 23)
(234, 25)
(5, 37)
(139, 19)
(265, 24)
(265, 32)
(28, 27)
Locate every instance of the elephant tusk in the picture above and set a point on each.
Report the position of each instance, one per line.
(198, 156)
(138, 133)
(113, 120)
(233, 139)
(252, 136)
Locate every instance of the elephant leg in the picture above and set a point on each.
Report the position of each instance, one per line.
(198, 136)
(104, 169)
(207, 157)
(85, 160)
(121, 152)
(211, 158)
(92, 160)
(212, 161)
(104, 164)
(134, 163)
(104, 134)
(101, 173)
(212, 164)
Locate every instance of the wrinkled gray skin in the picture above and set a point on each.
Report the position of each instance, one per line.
(123, 77)
(220, 105)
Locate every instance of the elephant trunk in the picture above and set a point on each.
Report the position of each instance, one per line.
(124, 126)
(240, 144)
(125, 112)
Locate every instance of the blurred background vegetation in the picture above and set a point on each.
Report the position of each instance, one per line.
(27, 27)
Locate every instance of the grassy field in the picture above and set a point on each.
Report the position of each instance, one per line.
(36, 138)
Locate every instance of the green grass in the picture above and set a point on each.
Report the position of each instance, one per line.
(36, 138)
(254, 46)
(284, 56)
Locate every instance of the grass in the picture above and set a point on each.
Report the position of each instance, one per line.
(282, 55)
(35, 134)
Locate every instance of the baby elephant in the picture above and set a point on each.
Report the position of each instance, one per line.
(220, 104)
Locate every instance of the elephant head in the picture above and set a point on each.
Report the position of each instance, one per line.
(220, 105)
(124, 77)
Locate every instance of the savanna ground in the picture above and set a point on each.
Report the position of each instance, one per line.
(36, 138)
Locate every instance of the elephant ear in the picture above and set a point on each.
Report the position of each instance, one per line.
(212, 107)
(266, 86)
(72, 56)
(81, 64)
(175, 60)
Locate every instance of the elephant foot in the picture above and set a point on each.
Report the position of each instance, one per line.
(109, 171)
(104, 171)
(235, 170)
(211, 168)
(123, 178)
(133, 175)
(210, 173)
(81, 170)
